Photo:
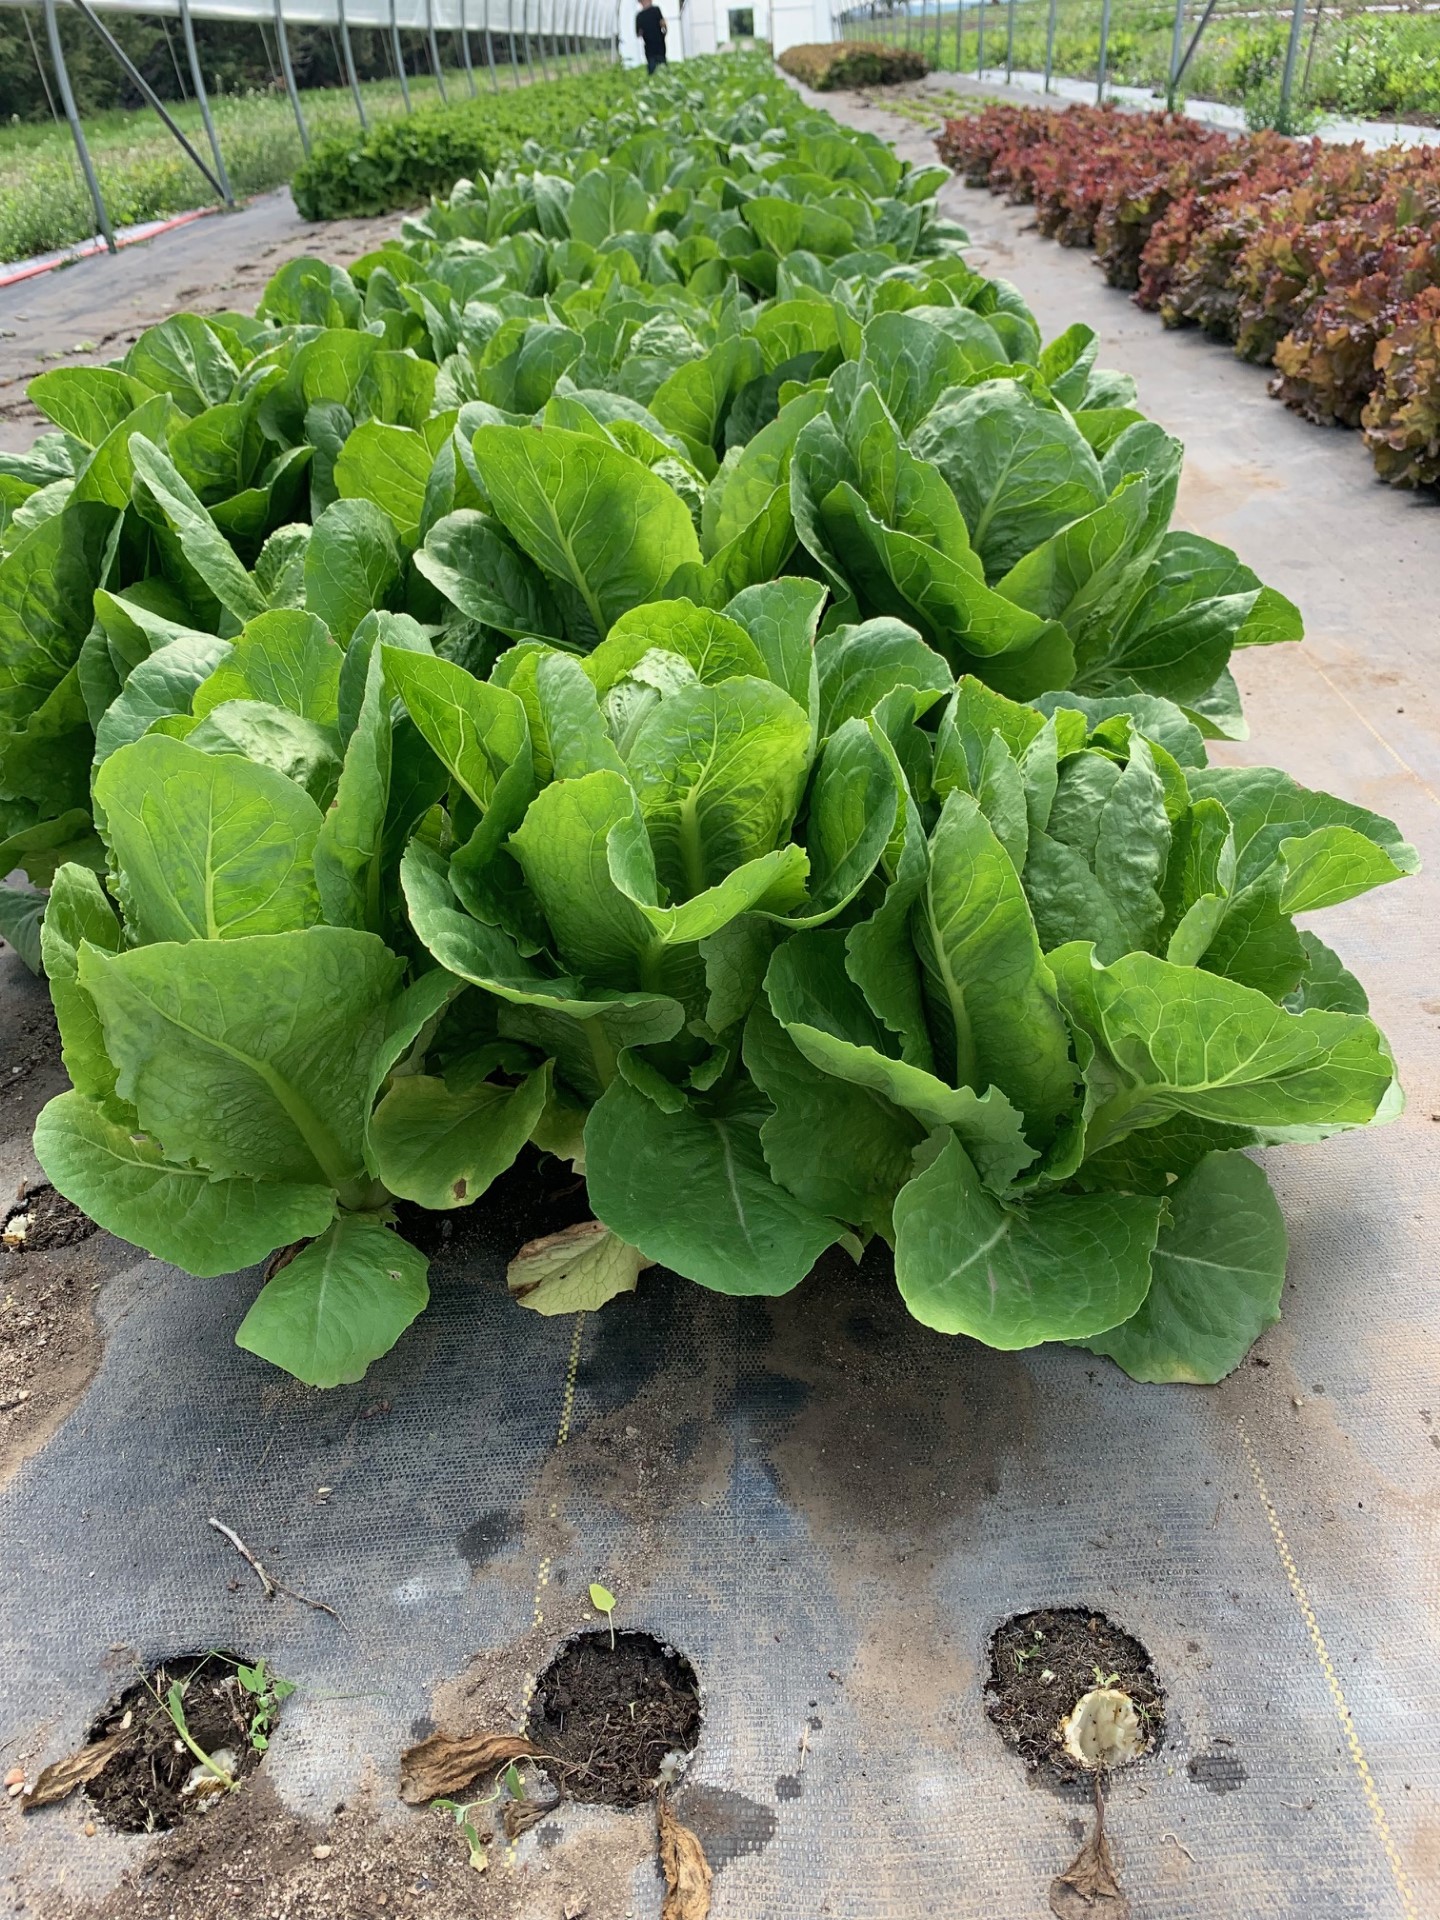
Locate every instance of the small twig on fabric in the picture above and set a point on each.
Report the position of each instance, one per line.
(268, 1581)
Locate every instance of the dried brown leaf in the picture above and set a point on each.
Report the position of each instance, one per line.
(61, 1778)
(683, 1863)
(574, 1271)
(445, 1764)
(520, 1815)
(1088, 1888)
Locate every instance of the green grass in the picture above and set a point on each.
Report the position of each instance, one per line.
(144, 175)
(1365, 66)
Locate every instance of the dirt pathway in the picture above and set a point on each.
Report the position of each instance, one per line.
(89, 312)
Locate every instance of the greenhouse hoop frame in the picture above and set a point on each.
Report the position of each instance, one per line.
(576, 29)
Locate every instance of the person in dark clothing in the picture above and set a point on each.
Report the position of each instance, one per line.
(650, 30)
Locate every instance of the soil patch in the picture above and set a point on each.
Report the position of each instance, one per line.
(253, 1857)
(91, 312)
(49, 1342)
(30, 1069)
(155, 1782)
(538, 1195)
(1040, 1665)
(613, 1713)
(44, 1219)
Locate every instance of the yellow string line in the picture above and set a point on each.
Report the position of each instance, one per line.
(1337, 1692)
(542, 1571)
(562, 1434)
(1370, 727)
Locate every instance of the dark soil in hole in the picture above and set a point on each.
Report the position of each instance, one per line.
(50, 1220)
(613, 1714)
(140, 1790)
(1078, 1651)
(538, 1195)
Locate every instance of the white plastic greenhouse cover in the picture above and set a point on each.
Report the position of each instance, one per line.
(697, 27)
(701, 25)
(545, 16)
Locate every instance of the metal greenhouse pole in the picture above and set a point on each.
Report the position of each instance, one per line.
(148, 93)
(540, 37)
(1050, 45)
(397, 51)
(1177, 33)
(349, 54)
(198, 82)
(289, 73)
(1194, 42)
(1292, 54)
(434, 45)
(67, 98)
(490, 52)
(1104, 52)
(465, 51)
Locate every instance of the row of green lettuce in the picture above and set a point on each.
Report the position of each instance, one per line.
(400, 160)
(662, 663)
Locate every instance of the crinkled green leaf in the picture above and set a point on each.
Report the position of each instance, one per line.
(692, 1191)
(252, 1057)
(1219, 1266)
(340, 1304)
(209, 846)
(1060, 1268)
(442, 1149)
(1182, 1040)
(204, 1223)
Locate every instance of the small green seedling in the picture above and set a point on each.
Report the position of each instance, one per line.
(267, 1691)
(479, 1859)
(603, 1601)
(514, 1785)
(174, 1704)
(1105, 1679)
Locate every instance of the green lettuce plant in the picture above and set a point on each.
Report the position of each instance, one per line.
(661, 664)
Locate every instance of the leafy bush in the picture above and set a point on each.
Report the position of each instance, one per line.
(1402, 417)
(1301, 254)
(402, 162)
(853, 63)
(1384, 66)
(661, 664)
(398, 163)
